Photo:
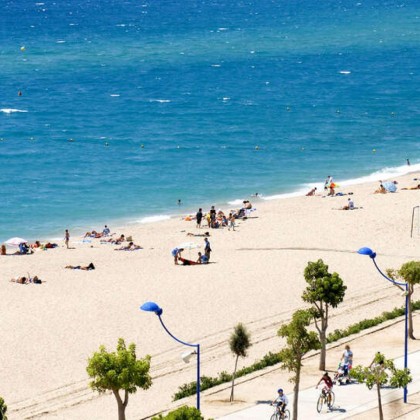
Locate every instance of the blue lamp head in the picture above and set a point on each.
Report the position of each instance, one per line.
(367, 251)
(151, 307)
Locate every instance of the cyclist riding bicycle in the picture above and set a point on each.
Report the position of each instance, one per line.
(328, 383)
(281, 401)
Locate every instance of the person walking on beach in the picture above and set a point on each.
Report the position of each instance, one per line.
(199, 217)
(67, 238)
(328, 182)
(207, 248)
(231, 222)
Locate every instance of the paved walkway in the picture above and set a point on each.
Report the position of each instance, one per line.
(350, 399)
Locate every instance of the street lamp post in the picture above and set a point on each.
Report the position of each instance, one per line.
(372, 255)
(153, 307)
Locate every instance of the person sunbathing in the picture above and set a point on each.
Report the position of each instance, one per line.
(130, 247)
(117, 241)
(312, 192)
(412, 188)
(80, 267)
(205, 234)
(20, 280)
(93, 234)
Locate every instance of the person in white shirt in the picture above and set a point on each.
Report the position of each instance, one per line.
(281, 401)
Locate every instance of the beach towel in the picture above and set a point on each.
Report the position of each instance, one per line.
(390, 186)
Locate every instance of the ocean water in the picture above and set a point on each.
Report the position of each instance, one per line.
(127, 106)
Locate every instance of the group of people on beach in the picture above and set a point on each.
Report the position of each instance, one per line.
(218, 219)
(201, 259)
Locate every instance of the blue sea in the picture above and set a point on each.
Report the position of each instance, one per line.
(112, 110)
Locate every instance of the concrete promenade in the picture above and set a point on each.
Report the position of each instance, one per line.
(350, 400)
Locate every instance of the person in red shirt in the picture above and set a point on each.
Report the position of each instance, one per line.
(328, 383)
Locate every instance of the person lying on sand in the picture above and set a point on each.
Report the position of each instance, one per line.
(412, 188)
(312, 192)
(130, 247)
(20, 280)
(93, 234)
(80, 267)
(117, 241)
(205, 234)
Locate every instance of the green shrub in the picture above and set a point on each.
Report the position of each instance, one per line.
(181, 413)
(271, 359)
(3, 409)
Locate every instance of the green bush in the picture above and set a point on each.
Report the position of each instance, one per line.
(3, 409)
(207, 382)
(271, 359)
(369, 323)
(181, 413)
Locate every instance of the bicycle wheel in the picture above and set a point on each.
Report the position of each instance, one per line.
(275, 416)
(331, 400)
(286, 414)
(320, 403)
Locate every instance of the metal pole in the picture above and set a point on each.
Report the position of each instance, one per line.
(406, 338)
(198, 377)
(400, 285)
(197, 346)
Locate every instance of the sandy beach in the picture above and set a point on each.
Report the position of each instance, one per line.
(256, 277)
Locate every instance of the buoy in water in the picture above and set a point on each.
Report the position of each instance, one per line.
(22, 48)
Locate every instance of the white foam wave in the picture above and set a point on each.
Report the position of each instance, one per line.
(60, 41)
(153, 219)
(11, 110)
(237, 202)
(215, 65)
(383, 174)
(114, 94)
(162, 101)
(345, 72)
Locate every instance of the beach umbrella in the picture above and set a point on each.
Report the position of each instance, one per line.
(15, 241)
(188, 245)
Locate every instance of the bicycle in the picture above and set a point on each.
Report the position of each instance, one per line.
(325, 397)
(279, 415)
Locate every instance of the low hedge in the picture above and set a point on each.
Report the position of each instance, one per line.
(271, 359)
(181, 413)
